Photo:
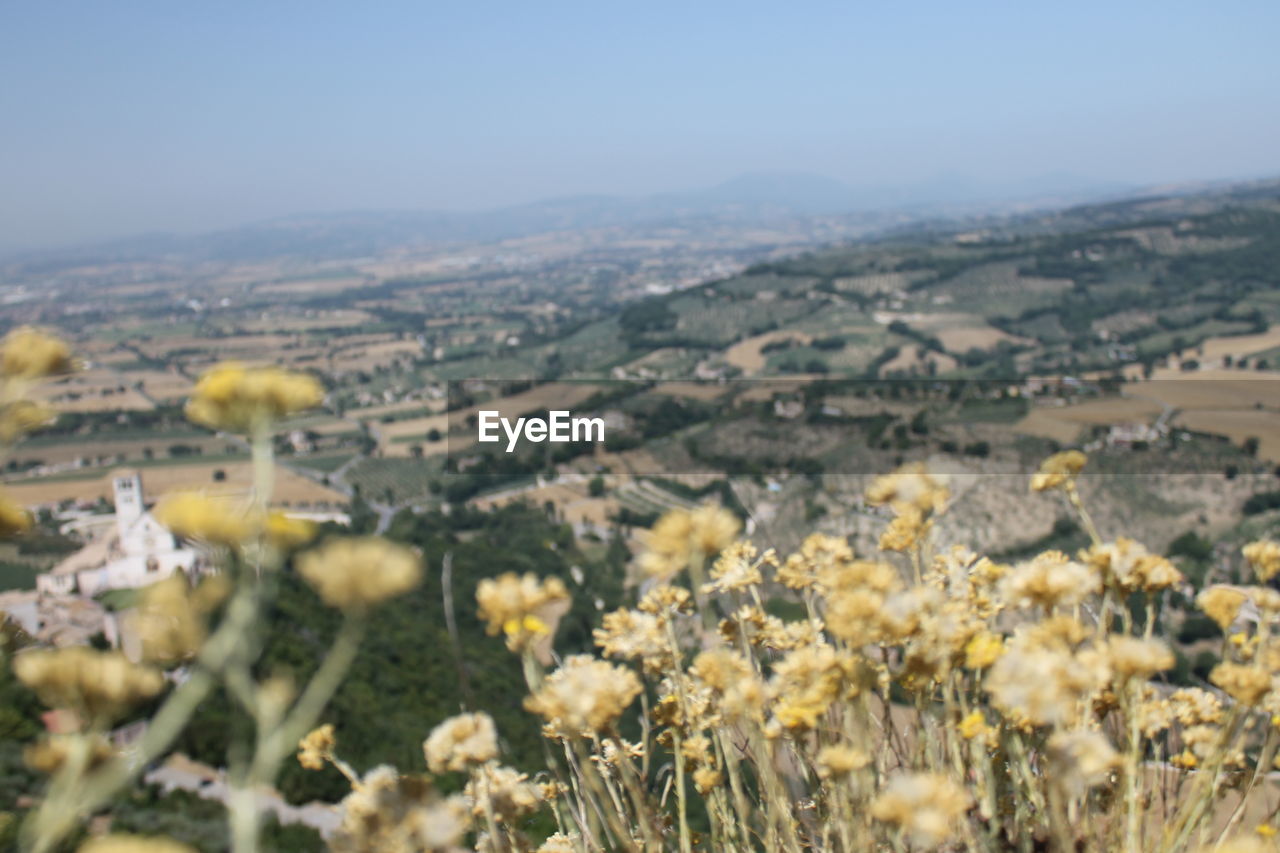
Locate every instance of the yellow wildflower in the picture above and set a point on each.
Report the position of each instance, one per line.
(1222, 604)
(1264, 557)
(461, 742)
(286, 532)
(28, 353)
(983, 650)
(506, 793)
(705, 779)
(1243, 683)
(925, 806)
(317, 747)
(13, 518)
(584, 696)
(1132, 657)
(354, 573)
(972, 726)
(98, 685)
(21, 417)
(1050, 580)
(197, 516)
(910, 486)
(387, 811)
(1058, 470)
(841, 760)
(170, 618)
(525, 609)
(683, 535)
(1081, 759)
(233, 397)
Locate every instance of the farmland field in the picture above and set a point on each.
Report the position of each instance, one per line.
(291, 489)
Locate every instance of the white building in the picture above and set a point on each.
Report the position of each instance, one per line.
(134, 551)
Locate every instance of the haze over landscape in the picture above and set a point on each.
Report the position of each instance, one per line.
(145, 117)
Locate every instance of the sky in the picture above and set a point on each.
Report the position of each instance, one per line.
(127, 117)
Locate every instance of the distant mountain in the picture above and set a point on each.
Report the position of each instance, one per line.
(761, 196)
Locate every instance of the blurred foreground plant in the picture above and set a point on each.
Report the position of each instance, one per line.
(213, 633)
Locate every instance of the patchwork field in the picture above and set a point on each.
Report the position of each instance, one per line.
(918, 359)
(397, 439)
(1064, 423)
(748, 356)
(291, 489)
(94, 390)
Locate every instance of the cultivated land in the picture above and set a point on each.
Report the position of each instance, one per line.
(1176, 295)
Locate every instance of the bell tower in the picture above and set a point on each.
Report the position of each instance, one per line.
(127, 486)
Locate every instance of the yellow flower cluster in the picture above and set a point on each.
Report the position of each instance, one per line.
(171, 618)
(29, 353)
(524, 609)
(683, 536)
(317, 747)
(1059, 471)
(924, 806)
(241, 399)
(584, 696)
(356, 573)
(229, 522)
(98, 686)
(461, 742)
(386, 811)
(13, 518)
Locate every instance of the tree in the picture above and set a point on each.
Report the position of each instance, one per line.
(219, 475)
(1251, 445)
(596, 486)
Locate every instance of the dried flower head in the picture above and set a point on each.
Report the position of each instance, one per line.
(21, 417)
(841, 760)
(316, 747)
(925, 806)
(1058, 471)
(387, 811)
(13, 518)
(461, 742)
(1245, 684)
(29, 353)
(682, 535)
(96, 685)
(736, 569)
(195, 515)
(633, 635)
(809, 680)
(170, 617)
(1221, 604)
(233, 397)
(505, 793)
(525, 609)
(583, 696)
(910, 486)
(1050, 580)
(1133, 657)
(1128, 566)
(1264, 558)
(355, 573)
(1081, 759)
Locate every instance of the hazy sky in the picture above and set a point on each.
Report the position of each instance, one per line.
(119, 117)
